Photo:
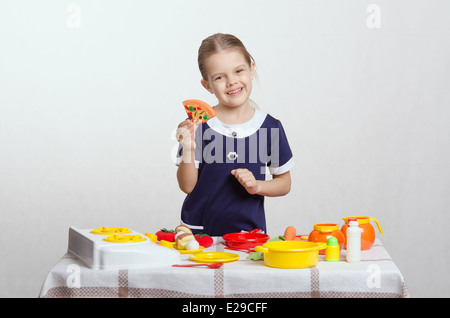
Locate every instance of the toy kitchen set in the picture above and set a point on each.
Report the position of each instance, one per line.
(119, 247)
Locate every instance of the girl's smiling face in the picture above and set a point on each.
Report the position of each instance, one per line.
(229, 78)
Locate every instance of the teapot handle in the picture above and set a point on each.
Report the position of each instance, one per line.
(378, 224)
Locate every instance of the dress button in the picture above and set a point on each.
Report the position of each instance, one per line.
(234, 134)
(232, 156)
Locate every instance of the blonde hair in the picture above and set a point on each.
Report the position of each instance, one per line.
(218, 42)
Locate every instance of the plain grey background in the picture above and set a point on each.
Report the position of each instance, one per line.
(91, 95)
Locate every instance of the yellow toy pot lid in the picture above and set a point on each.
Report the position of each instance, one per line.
(326, 227)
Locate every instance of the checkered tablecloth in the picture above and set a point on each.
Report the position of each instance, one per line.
(375, 276)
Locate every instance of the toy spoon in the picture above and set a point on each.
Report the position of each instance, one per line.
(214, 265)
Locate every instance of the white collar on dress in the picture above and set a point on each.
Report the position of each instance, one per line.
(241, 130)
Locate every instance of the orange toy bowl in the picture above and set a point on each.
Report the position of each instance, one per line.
(323, 231)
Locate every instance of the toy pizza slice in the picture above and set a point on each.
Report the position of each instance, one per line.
(198, 111)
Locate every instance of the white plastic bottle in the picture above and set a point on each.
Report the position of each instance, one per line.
(353, 241)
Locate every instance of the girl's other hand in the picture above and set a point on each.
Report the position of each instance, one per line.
(246, 179)
(186, 133)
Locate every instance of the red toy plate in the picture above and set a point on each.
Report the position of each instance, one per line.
(244, 240)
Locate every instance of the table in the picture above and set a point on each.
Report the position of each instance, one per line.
(375, 276)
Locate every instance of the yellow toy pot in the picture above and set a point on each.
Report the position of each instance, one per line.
(291, 254)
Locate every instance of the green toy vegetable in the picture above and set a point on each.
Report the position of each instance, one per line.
(259, 256)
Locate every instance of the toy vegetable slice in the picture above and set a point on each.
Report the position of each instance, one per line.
(198, 111)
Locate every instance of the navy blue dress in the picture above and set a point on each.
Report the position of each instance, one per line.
(219, 204)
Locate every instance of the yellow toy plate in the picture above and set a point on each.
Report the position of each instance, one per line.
(191, 251)
(214, 257)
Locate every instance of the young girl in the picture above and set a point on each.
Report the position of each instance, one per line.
(222, 163)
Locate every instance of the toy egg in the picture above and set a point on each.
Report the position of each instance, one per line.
(192, 245)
